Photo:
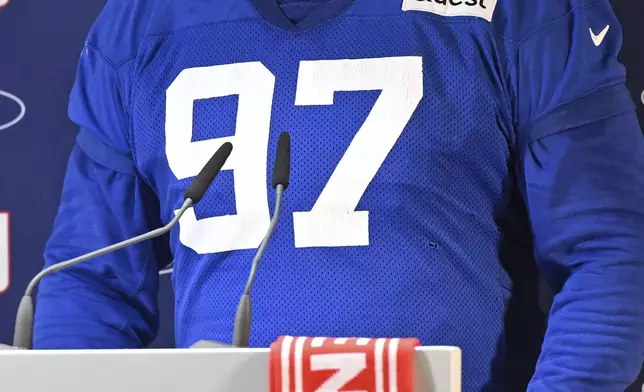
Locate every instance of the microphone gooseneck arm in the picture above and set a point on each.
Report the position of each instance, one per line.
(196, 190)
(131, 241)
(281, 176)
(241, 333)
(23, 331)
(262, 246)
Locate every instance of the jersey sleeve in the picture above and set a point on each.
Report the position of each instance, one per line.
(108, 302)
(584, 189)
(566, 73)
(580, 166)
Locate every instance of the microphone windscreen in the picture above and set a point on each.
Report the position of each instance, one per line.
(282, 167)
(207, 175)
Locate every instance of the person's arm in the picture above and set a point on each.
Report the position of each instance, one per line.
(584, 189)
(579, 160)
(108, 302)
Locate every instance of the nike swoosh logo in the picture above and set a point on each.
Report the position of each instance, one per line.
(599, 38)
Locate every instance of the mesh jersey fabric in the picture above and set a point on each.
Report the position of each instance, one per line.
(445, 250)
(420, 200)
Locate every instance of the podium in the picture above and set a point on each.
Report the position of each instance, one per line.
(437, 369)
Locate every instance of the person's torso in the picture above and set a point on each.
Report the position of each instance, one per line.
(400, 171)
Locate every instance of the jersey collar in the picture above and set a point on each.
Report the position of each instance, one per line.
(272, 12)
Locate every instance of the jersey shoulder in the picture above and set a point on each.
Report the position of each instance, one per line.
(516, 20)
(123, 24)
(120, 27)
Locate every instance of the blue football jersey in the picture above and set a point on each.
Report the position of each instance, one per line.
(406, 213)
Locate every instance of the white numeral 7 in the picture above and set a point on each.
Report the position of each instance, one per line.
(333, 219)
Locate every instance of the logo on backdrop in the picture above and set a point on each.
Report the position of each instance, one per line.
(4, 251)
(4, 97)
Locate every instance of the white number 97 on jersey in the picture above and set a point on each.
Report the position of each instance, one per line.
(301, 364)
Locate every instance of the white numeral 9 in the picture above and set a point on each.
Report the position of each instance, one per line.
(254, 84)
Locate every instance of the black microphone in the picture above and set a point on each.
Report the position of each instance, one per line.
(281, 174)
(25, 316)
(207, 175)
(282, 168)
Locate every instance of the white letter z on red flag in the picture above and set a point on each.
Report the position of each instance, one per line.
(302, 364)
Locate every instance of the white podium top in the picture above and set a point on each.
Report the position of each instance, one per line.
(438, 369)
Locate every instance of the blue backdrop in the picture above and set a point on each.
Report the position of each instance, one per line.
(40, 41)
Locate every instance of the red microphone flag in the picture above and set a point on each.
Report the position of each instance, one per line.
(319, 364)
